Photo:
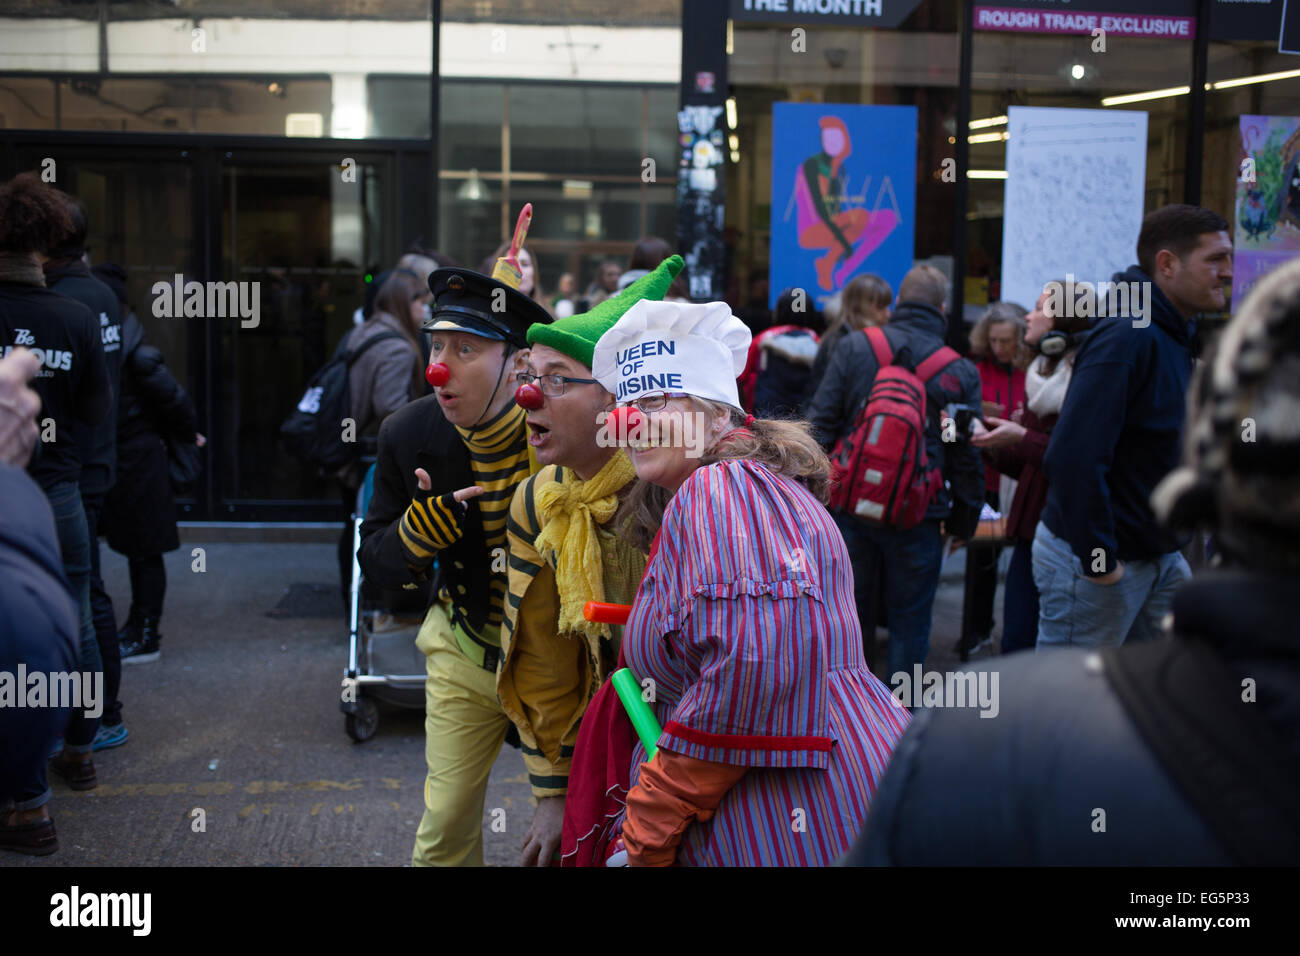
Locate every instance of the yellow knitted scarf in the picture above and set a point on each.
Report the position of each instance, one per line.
(569, 512)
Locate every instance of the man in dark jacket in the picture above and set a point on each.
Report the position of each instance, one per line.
(74, 387)
(1105, 571)
(908, 560)
(448, 465)
(1182, 752)
(67, 274)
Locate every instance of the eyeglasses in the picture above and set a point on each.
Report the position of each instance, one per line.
(652, 403)
(552, 386)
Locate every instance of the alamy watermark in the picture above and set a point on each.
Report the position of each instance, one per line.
(1105, 300)
(923, 688)
(208, 300)
(689, 430)
(72, 689)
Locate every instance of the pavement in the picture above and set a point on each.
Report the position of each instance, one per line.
(237, 752)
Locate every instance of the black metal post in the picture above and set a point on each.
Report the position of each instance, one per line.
(1196, 105)
(701, 197)
(965, 64)
(435, 105)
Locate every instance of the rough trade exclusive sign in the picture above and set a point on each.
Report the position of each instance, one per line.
(887, 14)
(1067, 20)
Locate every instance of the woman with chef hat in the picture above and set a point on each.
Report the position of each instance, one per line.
(775, 733)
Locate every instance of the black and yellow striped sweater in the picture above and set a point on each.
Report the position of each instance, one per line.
(499, 460)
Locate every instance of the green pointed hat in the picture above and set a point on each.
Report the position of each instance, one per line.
(577, 335)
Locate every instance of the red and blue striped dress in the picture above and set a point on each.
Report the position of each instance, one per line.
(746, 623)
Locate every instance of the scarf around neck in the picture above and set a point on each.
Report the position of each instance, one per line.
(22, 269)
(1045, 394)
(569, 513)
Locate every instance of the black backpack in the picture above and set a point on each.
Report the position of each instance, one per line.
(313, 432)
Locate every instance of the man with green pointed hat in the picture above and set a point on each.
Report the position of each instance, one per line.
(565, 551)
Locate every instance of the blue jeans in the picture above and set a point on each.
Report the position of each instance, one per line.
(1020, 602)
(74, 542)
(909, 562)
(1076, 610)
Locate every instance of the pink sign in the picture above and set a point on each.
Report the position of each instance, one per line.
(1080, 21)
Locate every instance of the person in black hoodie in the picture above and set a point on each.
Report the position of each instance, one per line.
(140, 511)
(67, 274)
(38, 623)
(74, 387)
(908, 560)
(1088, 761)
(1104, 569)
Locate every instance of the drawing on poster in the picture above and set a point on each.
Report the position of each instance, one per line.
(1267, 220)
(831, 228)
(1074, 196)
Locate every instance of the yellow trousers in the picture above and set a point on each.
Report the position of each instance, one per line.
(464, 727)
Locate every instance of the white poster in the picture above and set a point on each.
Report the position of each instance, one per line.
(1074, 196)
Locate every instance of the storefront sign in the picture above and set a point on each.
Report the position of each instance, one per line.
(887, 14)
(1169, 19)
(1076, 181)
(1267, 220)
(843, 195)
(1085, 22)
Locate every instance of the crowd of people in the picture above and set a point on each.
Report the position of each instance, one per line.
(753, 494)
(107, 408)
(752, 592)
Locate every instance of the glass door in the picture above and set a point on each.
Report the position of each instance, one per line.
(301, 236)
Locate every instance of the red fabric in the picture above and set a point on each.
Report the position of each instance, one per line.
(1003, 385)
(879, 346)
(599, 775)
(747, 741)
(1024, 462)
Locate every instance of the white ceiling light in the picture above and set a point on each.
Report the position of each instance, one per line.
(472, 189)
(988, 121)
(1143, 97)
(1261, 78)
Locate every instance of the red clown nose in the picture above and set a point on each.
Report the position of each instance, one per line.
(437, 374)
(529, 397)
(623, 421)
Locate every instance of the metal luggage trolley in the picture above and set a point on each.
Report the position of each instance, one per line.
(384, 666)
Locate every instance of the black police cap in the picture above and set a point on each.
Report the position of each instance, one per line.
(465, 301)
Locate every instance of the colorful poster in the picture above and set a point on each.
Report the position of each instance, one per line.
(843, 195)
(1267, 220)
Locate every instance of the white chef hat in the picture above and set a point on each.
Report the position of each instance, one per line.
(693, 348)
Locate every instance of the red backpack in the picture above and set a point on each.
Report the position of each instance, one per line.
(879, 470)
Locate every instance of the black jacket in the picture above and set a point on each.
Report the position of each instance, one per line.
(914, 330)
(820, 363)
(1022, 788)
(1120, 433)
(153, 402)
(418, 435)
(96, 444)
(139, 515)
(73, 380)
